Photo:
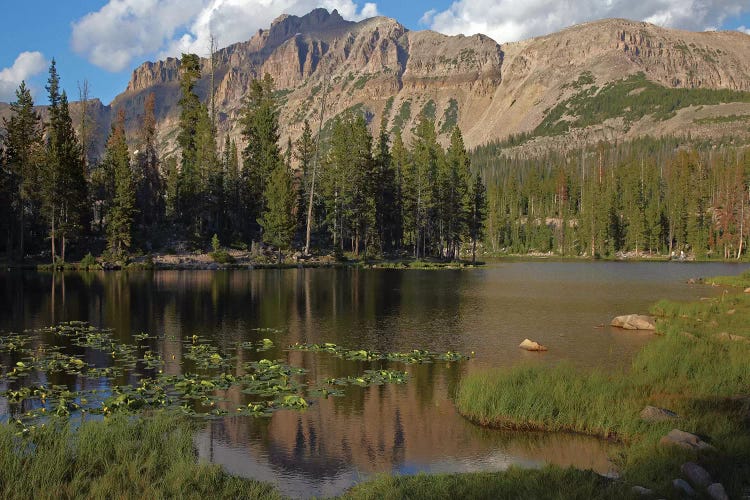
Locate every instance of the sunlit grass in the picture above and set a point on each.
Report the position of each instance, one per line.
(119, 457)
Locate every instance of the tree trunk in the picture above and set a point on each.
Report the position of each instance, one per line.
(52, 235)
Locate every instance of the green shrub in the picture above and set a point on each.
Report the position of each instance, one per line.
(88, 262)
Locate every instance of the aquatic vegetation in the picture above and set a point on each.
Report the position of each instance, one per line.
(414, 357)
(28, 360)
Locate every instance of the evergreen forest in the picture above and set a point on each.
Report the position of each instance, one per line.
(347, 191)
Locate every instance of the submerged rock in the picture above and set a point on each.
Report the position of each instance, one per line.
(717, 492)
(530, 345)
(634, 322)
(697, 475)
(685, 440)
(656, 414)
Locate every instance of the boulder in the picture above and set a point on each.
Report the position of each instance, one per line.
(530, 345)
(656, 414)
(731, 337)
(747, 290)
(717, 492)
(696, 475)
(634, 322)
(685, 440)
(640, 490)
(683, 487)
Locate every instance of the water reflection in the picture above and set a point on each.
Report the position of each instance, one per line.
(403, 429)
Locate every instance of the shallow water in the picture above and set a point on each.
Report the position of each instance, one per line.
(392, 428)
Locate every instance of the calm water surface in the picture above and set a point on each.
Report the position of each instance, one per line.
(403, 429)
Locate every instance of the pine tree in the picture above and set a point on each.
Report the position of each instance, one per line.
(304, 153)
(404, 194)
(23, 143)
(187, 204)
(150, 209)
(121, 214)
(455, 200)
(426, 155)
(278, 221)
(232, 189)
(387, 199)
(65, 188)
(262, 155)
(478, 214)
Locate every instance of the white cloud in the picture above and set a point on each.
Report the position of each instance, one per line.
(124, 31)
(744, 30)
(26, 65)
(511, 20)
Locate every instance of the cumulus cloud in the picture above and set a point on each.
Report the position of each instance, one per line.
(26, 65)
(744, 30)
(511, 20)
(123, 31)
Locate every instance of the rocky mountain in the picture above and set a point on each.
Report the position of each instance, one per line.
(540, 86)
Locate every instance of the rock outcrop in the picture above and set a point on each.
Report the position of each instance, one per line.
(379, 68)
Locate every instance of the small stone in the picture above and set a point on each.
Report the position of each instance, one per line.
(656, 414)
(530, 345)
(640, 490)
(717, 492)
(634, 322)
(697, 475)
(682, 486)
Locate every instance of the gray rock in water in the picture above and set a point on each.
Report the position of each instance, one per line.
(640, 490)
(531, 345)
(682, 486)
(656, 414)
(717, 492)
(697, 475)
(634, 322)
(685, 440)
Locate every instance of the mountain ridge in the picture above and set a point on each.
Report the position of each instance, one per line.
(492, 91)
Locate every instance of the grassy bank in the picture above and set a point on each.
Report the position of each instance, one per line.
(119, 457)
(548, 483)
(699, 367)
(742, 280)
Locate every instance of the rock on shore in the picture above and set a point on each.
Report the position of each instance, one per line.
(634, 322)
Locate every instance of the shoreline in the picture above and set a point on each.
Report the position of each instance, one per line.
(697, 365)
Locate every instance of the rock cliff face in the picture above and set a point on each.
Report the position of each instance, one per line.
(381, 69)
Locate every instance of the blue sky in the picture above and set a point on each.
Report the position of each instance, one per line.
(101, 41)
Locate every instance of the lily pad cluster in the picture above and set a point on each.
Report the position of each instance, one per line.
(113, 376)
(417, 356)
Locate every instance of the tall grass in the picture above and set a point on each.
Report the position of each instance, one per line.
(149, 457)
(548, 483)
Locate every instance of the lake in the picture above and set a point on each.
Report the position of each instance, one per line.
(339, 441)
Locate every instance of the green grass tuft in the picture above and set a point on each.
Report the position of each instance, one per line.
(119, 457)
